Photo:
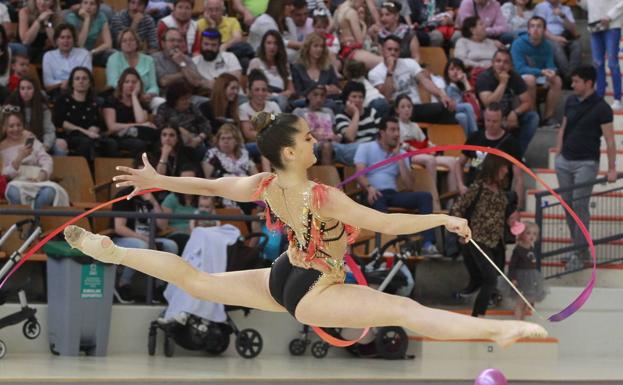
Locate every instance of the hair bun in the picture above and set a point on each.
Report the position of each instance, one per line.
(262, 120)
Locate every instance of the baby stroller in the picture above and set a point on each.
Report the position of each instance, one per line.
(195, 333)
(31, 328)
(390, 342)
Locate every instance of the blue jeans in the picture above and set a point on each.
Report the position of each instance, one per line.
(45, 196)
(602, 43)
(345, 152)
(382, 107)
(168, 245)
(465, 115)
(422, 201)
(528, 124)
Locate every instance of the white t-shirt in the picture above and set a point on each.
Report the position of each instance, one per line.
(246, 112)
(224, 62)
(272, 74)
(405, 81)
(4, 14)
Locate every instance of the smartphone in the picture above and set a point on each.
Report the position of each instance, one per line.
(30, 142)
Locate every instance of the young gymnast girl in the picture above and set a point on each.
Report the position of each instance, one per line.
(307, 280)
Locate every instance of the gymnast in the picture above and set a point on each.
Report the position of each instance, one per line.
(308, 279)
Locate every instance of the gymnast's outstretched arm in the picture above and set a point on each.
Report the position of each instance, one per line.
(239, 189)
(343, 208)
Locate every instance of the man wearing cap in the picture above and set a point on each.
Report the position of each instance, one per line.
(212, 62)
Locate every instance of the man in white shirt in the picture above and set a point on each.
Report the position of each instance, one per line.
(395, 76)
(212, 62)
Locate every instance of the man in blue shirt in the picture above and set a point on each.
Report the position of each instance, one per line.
(380, 184)
(562, 32)
(533, 57)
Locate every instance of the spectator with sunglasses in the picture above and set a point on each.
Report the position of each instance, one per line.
(213, 61)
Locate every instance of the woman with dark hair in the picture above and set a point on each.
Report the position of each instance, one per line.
(273, 19)
(223, 104)
(92, 26)
(170, 157)
(272, 60)
(126, 118)
(36, 23)
(37, 115)
(78, 115)
(458, 88)
(474, 48)
(314, 67)
(484, 206)
(178, 111)
(308, 280)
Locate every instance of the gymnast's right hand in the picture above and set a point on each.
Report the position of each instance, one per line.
(141, 179)
(459, 226)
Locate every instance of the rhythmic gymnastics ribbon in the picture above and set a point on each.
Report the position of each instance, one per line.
(566, 312)
(577, 303)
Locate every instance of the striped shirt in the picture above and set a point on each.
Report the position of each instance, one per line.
(146, 29)
(368, 128)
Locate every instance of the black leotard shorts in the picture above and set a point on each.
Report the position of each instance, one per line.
(288, 284)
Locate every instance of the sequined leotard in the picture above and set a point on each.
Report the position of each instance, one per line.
(288, 283)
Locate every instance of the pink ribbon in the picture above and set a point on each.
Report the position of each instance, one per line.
(585, 294)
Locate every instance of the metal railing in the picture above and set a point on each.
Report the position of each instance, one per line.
(556, 253)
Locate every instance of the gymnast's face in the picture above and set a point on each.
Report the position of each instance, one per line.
(302, 154)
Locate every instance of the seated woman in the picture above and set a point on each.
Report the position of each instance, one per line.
(27, 165)
(389, 16)
(474, 48)
(36, 23)
(308, 280)
(179, 111)
(78, 115)
(313, 68)
(258, 95)
(126, 119)
(274, 19)
(59, 63)
(92, 25)
(272, 60)
(37, 116)
(129, 56)
(223, 104)
(352, 32)
(412, 137)
(517, 13)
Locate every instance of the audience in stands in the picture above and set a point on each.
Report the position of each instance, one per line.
(91, 27)
(223, 106)
(27, 165)
(474, 48)
(533, 58)
(213, 61)
(517, 13)
(563, 33)
(59, 63)
(136, 19)
(77, 114)
(37, 116)
(503, 85)
(380, 185)
(490, 12)
(181, 19)
(36, 28)
(125, 116)
(129, 56)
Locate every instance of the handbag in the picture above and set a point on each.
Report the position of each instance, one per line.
(28, 173)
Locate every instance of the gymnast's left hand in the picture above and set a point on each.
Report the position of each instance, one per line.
(459, 226)
(141, 179)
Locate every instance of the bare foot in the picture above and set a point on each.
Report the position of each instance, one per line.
(511, 331)
(97, 246)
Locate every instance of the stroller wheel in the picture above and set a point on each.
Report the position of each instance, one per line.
(249, 343)
(319, 349)
(169, 346)
(31, 328)
(391, 342)
(298, 347)
(2, 349)
(151, 343)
